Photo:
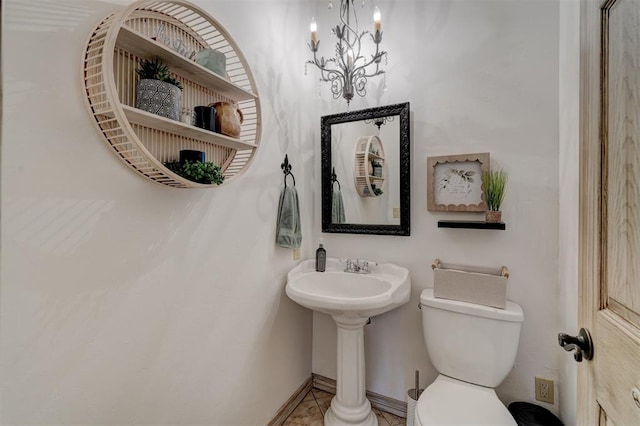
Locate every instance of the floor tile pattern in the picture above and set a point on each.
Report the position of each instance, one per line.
(310, 412)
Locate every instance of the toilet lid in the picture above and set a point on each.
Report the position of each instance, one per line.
(451, 402)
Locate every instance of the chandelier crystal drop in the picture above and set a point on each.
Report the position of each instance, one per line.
(349, 69)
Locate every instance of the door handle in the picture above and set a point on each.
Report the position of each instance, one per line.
(581, 344)
(635, 394)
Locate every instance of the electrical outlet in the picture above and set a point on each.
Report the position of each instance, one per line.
(396, 212)
(544, 390)
(296, 254)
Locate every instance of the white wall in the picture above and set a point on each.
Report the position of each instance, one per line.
(481, 76)
(126, 302)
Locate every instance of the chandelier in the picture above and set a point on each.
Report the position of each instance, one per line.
(349, 69)
(379, 121)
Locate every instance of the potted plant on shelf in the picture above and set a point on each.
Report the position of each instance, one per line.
(495, 185)
(197, 171)
(158, 91)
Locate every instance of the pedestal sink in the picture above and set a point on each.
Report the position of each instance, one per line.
(351, 299)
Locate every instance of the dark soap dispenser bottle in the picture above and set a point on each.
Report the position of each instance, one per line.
(321, 258)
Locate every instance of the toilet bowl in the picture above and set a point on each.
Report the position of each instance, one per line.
(473, 347)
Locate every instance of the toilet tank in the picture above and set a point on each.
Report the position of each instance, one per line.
(474, 343)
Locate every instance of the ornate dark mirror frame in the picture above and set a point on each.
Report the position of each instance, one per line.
(401, 110)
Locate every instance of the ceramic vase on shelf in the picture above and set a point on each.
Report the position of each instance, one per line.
(493, 216)
(213, 60)
(228, 119)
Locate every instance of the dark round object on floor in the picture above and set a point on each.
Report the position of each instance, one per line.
(526, 414)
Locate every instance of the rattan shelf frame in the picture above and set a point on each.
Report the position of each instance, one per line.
(362, 157)
(141, 140)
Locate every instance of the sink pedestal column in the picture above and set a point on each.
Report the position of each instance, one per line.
(350, 405)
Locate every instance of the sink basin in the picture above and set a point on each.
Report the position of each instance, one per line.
(336, 292)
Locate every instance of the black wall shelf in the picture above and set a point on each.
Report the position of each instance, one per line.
(471, 224)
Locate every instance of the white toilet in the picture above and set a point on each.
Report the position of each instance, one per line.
(473, 347)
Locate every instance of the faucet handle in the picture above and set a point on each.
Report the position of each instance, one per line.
(365, 264)
(349, 264)
(358, 265)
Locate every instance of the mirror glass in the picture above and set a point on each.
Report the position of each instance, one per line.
(365, 171)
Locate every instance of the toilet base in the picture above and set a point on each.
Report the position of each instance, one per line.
(448, 401)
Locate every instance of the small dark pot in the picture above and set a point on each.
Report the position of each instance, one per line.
(159, 97)
(191, 156)
(205, 117)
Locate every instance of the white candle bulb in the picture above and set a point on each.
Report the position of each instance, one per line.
(377, 17)
(314, 30)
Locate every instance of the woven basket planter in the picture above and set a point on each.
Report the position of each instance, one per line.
(159, 97)
(493, 216)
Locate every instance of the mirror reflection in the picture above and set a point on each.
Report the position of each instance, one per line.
(364, 159)
(365, 171)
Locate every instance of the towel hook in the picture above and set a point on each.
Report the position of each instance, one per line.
(286, 169)
(334, 178)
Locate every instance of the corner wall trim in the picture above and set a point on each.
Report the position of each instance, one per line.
(291, 403)
(381, 402)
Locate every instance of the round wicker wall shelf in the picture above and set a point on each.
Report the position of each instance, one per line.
(367, 151)
(173, 31)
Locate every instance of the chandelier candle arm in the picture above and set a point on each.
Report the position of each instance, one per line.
(376, 58)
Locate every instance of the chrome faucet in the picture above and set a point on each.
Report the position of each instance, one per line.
(358, 266)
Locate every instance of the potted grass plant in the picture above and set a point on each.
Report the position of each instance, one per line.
(495, 185)
(158, 91)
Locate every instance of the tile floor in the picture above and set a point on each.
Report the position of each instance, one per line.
(310, 412)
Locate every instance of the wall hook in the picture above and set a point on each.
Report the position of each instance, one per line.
(334, 178)
(286, 169)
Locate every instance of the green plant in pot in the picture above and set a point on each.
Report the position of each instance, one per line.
(158, 91)
(495, 186)
(197, 171)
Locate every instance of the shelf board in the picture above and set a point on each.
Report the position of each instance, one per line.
(147, 119)
(471, 224)
(142, 46)
(369, 177)
(370, 154)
